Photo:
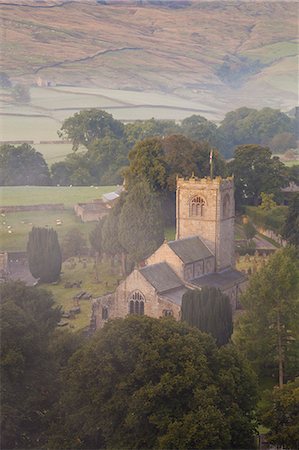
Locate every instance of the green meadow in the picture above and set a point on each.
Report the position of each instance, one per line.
(14, 227)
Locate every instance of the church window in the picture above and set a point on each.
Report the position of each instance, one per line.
(167, 313)
(226, 206)
(136, 303)
(197, 206)
(105, 313)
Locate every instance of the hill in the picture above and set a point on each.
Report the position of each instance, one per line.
(218, 54)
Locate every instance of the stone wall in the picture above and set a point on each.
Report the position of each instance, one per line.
(165, 254)
(42, 207)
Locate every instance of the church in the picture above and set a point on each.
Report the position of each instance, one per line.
(201, 255)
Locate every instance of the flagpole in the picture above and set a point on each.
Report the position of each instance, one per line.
(211, 164)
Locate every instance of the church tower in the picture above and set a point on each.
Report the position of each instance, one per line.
(206, 208)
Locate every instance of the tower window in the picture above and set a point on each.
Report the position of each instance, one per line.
(197, 206)
(136, 303)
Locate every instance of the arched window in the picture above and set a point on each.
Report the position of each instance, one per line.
(197, 206)
(136, 303)
(226, 206)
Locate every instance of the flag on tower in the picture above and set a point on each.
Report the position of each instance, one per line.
(211, 164)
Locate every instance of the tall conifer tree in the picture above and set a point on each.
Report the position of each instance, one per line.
(210, 311)
(44, 254)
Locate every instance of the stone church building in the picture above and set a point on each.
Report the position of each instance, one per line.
(201, 255)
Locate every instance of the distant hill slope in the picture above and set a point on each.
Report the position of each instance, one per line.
(226, 54)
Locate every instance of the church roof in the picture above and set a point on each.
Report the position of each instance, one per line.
(220, 280)
(190, 249)
(161, 277)
(175, 295)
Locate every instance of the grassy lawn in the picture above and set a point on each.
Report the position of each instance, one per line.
(14, 128)
(21, 223)
(83, 271)
(34, 195)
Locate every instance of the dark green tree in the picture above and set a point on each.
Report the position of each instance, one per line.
(142, 129)
(73, 244)
(21, 93)
(44, 254)
(61, 173)
(140, 230)
(84, 127)
(280, 413)
(96, 242)
(267, 332)
(198, 128)
(22, 165)
(149, 383)
(290, 230)
(210, 311)
(256, 171)
(250, 126)
(28, 380)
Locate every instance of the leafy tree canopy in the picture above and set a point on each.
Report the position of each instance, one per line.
(256, 171)
(268, 330)
(22, 165)
(73, 243)
(280, 413)
(198, 128)
(149, 383)
(28, 318)
(84, 127)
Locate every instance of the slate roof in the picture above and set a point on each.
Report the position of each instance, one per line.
(190, 249)
(221, 280)
(161, 277)
(110, 196)
(175, 295)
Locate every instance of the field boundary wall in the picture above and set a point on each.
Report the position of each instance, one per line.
(45, 207)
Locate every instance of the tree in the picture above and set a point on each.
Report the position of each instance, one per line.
(147, 163)
(21, 93)
(73, 244)
(249, 230)
(96, 242)
(290, 230)
(149, 383)
(142, 129)
(267, 201)
(250, 126)
(140, 230)
(268, 329)
(198, 128)
(210, 311)
(110, 234)
(256, 171)
(84, 127)
(44, 255)
(22, 165)
(282, 142)
(280, 413)
(28, 382)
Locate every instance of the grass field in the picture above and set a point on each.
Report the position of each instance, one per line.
(53, 152)
(83, 270)
(34, 195)
(14, 227)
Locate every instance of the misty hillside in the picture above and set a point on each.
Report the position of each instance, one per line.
(220, 53)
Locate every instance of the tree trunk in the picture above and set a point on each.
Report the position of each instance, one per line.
(96, 266)
(280, 352)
